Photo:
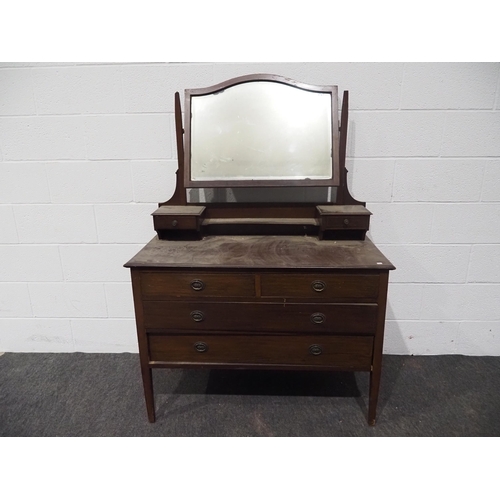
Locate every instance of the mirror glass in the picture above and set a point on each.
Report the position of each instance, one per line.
(318, 195)
(261, 131)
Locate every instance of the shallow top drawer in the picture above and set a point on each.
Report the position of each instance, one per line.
(157, 285)
(328, 286)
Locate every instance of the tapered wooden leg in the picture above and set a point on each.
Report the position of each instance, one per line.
(374, 389)
(147, 375)
(378, 342)
(147, 380)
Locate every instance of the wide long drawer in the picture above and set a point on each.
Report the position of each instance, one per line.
(320, 286)
(261, 317)
(305, 350)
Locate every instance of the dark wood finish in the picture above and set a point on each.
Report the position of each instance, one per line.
(376, 368)
(261, 285)
(175, 222)
(350, 353)
(179, 197)
(322, 286)
(237, 295)
(347, 222)
(147, 378)
(199, 285)
(261, 252)
(343, 195)
(260, 317)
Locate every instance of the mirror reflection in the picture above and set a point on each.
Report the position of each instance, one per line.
(261, 131)
(318, 195)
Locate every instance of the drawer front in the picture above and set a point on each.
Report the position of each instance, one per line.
(175, 222)
(305, 350)
(261, 317)
(346, 222)
(161, 285)
(324, 286)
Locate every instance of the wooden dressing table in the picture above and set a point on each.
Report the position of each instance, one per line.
(264, 284)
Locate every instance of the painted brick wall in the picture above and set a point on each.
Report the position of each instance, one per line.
(87, 150)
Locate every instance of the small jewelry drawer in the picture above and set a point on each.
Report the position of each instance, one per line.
(322, 286)
(177, 222)
(305, 350)
(346, 222)
(161, 285)
(177, 218)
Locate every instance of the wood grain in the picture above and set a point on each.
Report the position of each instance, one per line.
(161, 285)
(337, 352)
(261, 252)
(260, 317)
(336, 286)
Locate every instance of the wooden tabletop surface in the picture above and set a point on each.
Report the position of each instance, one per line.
(261, 252)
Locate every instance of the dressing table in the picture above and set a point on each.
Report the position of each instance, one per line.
(261, 259)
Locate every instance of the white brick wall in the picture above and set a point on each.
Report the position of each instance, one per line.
(86, 152)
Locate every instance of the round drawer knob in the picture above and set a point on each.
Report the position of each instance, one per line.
(318, 318)
(346, 222)
(197, 316)
(174, 222)
(201, 347)
(318, 285)
(315, 349)
(197, 285)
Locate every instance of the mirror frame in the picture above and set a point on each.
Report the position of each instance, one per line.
(334, 180)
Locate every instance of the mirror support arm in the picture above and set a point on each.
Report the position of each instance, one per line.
(179, 196)
(344, 196)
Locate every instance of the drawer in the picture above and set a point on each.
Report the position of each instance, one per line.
(304, 350)
(346, 222)
(175, 222)
(160, 285)
(324, 286)
(261, 317)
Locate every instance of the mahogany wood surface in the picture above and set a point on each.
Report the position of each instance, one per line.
(261, 252)
(260, 317)
(322, 286)
(261, 285)
(352, 353)
(162, 285)
(260, 302)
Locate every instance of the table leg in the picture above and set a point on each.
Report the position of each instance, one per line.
(374, 390)
(147, 380)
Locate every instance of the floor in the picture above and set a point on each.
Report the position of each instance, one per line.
(81, 394)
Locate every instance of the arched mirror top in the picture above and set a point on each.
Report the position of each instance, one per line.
(261, 130)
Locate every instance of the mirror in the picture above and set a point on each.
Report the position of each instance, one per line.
(294, 194)
(261, 131)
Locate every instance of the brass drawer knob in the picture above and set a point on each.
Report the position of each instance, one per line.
(201, 347)
(318, 318)
(197, 316)
(318, 285)
(197, 285)
(315, 349)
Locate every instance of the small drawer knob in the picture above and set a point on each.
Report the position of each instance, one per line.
(318, 285)
(318, 318)
(201, 347)
(175, 222)
(197, 316)
(197, 285)
(315, 349)
(346, 222)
